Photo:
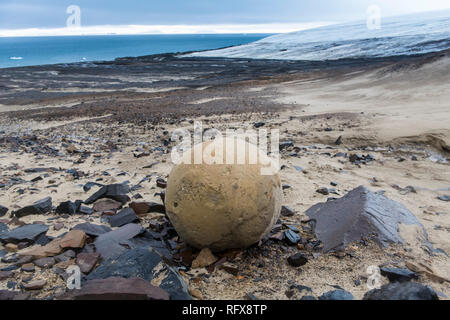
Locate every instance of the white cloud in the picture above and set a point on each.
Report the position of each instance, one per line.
(161, 29)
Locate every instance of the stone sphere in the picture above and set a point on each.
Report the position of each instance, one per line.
(224, 206)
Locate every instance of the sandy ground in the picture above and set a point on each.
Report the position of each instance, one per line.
(396, 113)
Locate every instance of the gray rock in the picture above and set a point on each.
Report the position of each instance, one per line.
(39, 207)
(27, 233)
(147, 264)
(108, 244)
(360, 214)
(3, 228)
(3, 210)
(402, 291)
(123, 217)
(69, 207)
(337, 295)
(398, 274)
(116, 192)
(444, 198)
(45, 262)
(93, 230)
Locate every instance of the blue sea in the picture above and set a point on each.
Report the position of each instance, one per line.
(28, 51)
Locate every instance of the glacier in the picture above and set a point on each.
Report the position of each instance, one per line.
(404, 35)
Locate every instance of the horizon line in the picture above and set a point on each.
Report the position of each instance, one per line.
(267, 28)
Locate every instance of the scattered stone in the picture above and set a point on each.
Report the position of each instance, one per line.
(117, 288)
(69, 207)
(89, 185)
(147, 207)
(28, 267)
(87, 261)
(323, 191)
(86, 210)
(108, 245)
(338, 141)
(360, 214)
(39, 207)
(292, 237)
(45, 262)
(116, 192)
(147, 264)
(398, 274)
(286, 144)
(66, 256)
(49, 250)
(24, 260)
(297, 260)
(35, 285)
(106, 205)
(6, 275)
(58, 226)
(205, 258)
(287, 211)
(7, 295)
(161, 183)
(361, 159)
(93, 230)
(11, 247)
(27, 233)
(402, 291)
(258, 124)
(444, 198)
(3, 210)
(124, 217)
(74, 239)
(337, 295)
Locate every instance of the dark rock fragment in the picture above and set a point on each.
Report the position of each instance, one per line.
(118, 288)
(402, 291)
(39, 207)
(93, 230)
(297, 260)
(398, 274)
(337, 295)
(28, 233)
(143, 263)
(124, 217)
(360, 214)
(3, 210)
(69, 207)
(116, 192)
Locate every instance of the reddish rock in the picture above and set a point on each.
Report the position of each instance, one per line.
(87, 261)
(107, 205)
(115, 288)
(58, 226)
(74, 239)
(147, 207)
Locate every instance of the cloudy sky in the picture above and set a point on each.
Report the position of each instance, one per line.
(198, 15)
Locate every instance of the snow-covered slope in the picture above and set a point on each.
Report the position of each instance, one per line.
(406, 35)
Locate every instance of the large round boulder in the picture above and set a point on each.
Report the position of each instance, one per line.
(224, 206)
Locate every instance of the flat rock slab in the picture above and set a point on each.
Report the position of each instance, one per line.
(398, 274)
(123, 217)
(87, 261)
(35, 285)
(39, 207)
(402, 291)
(3, 228)
(26, 233)
(106, 205)
(74, 239)
(3, 210)
(117, 288)
(93, 230)
(44, 262)
(108, 245)
(116, 192)
(360, 214)
(147, 264)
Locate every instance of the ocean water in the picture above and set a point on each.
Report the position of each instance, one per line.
(404, 35)
(27, 51)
